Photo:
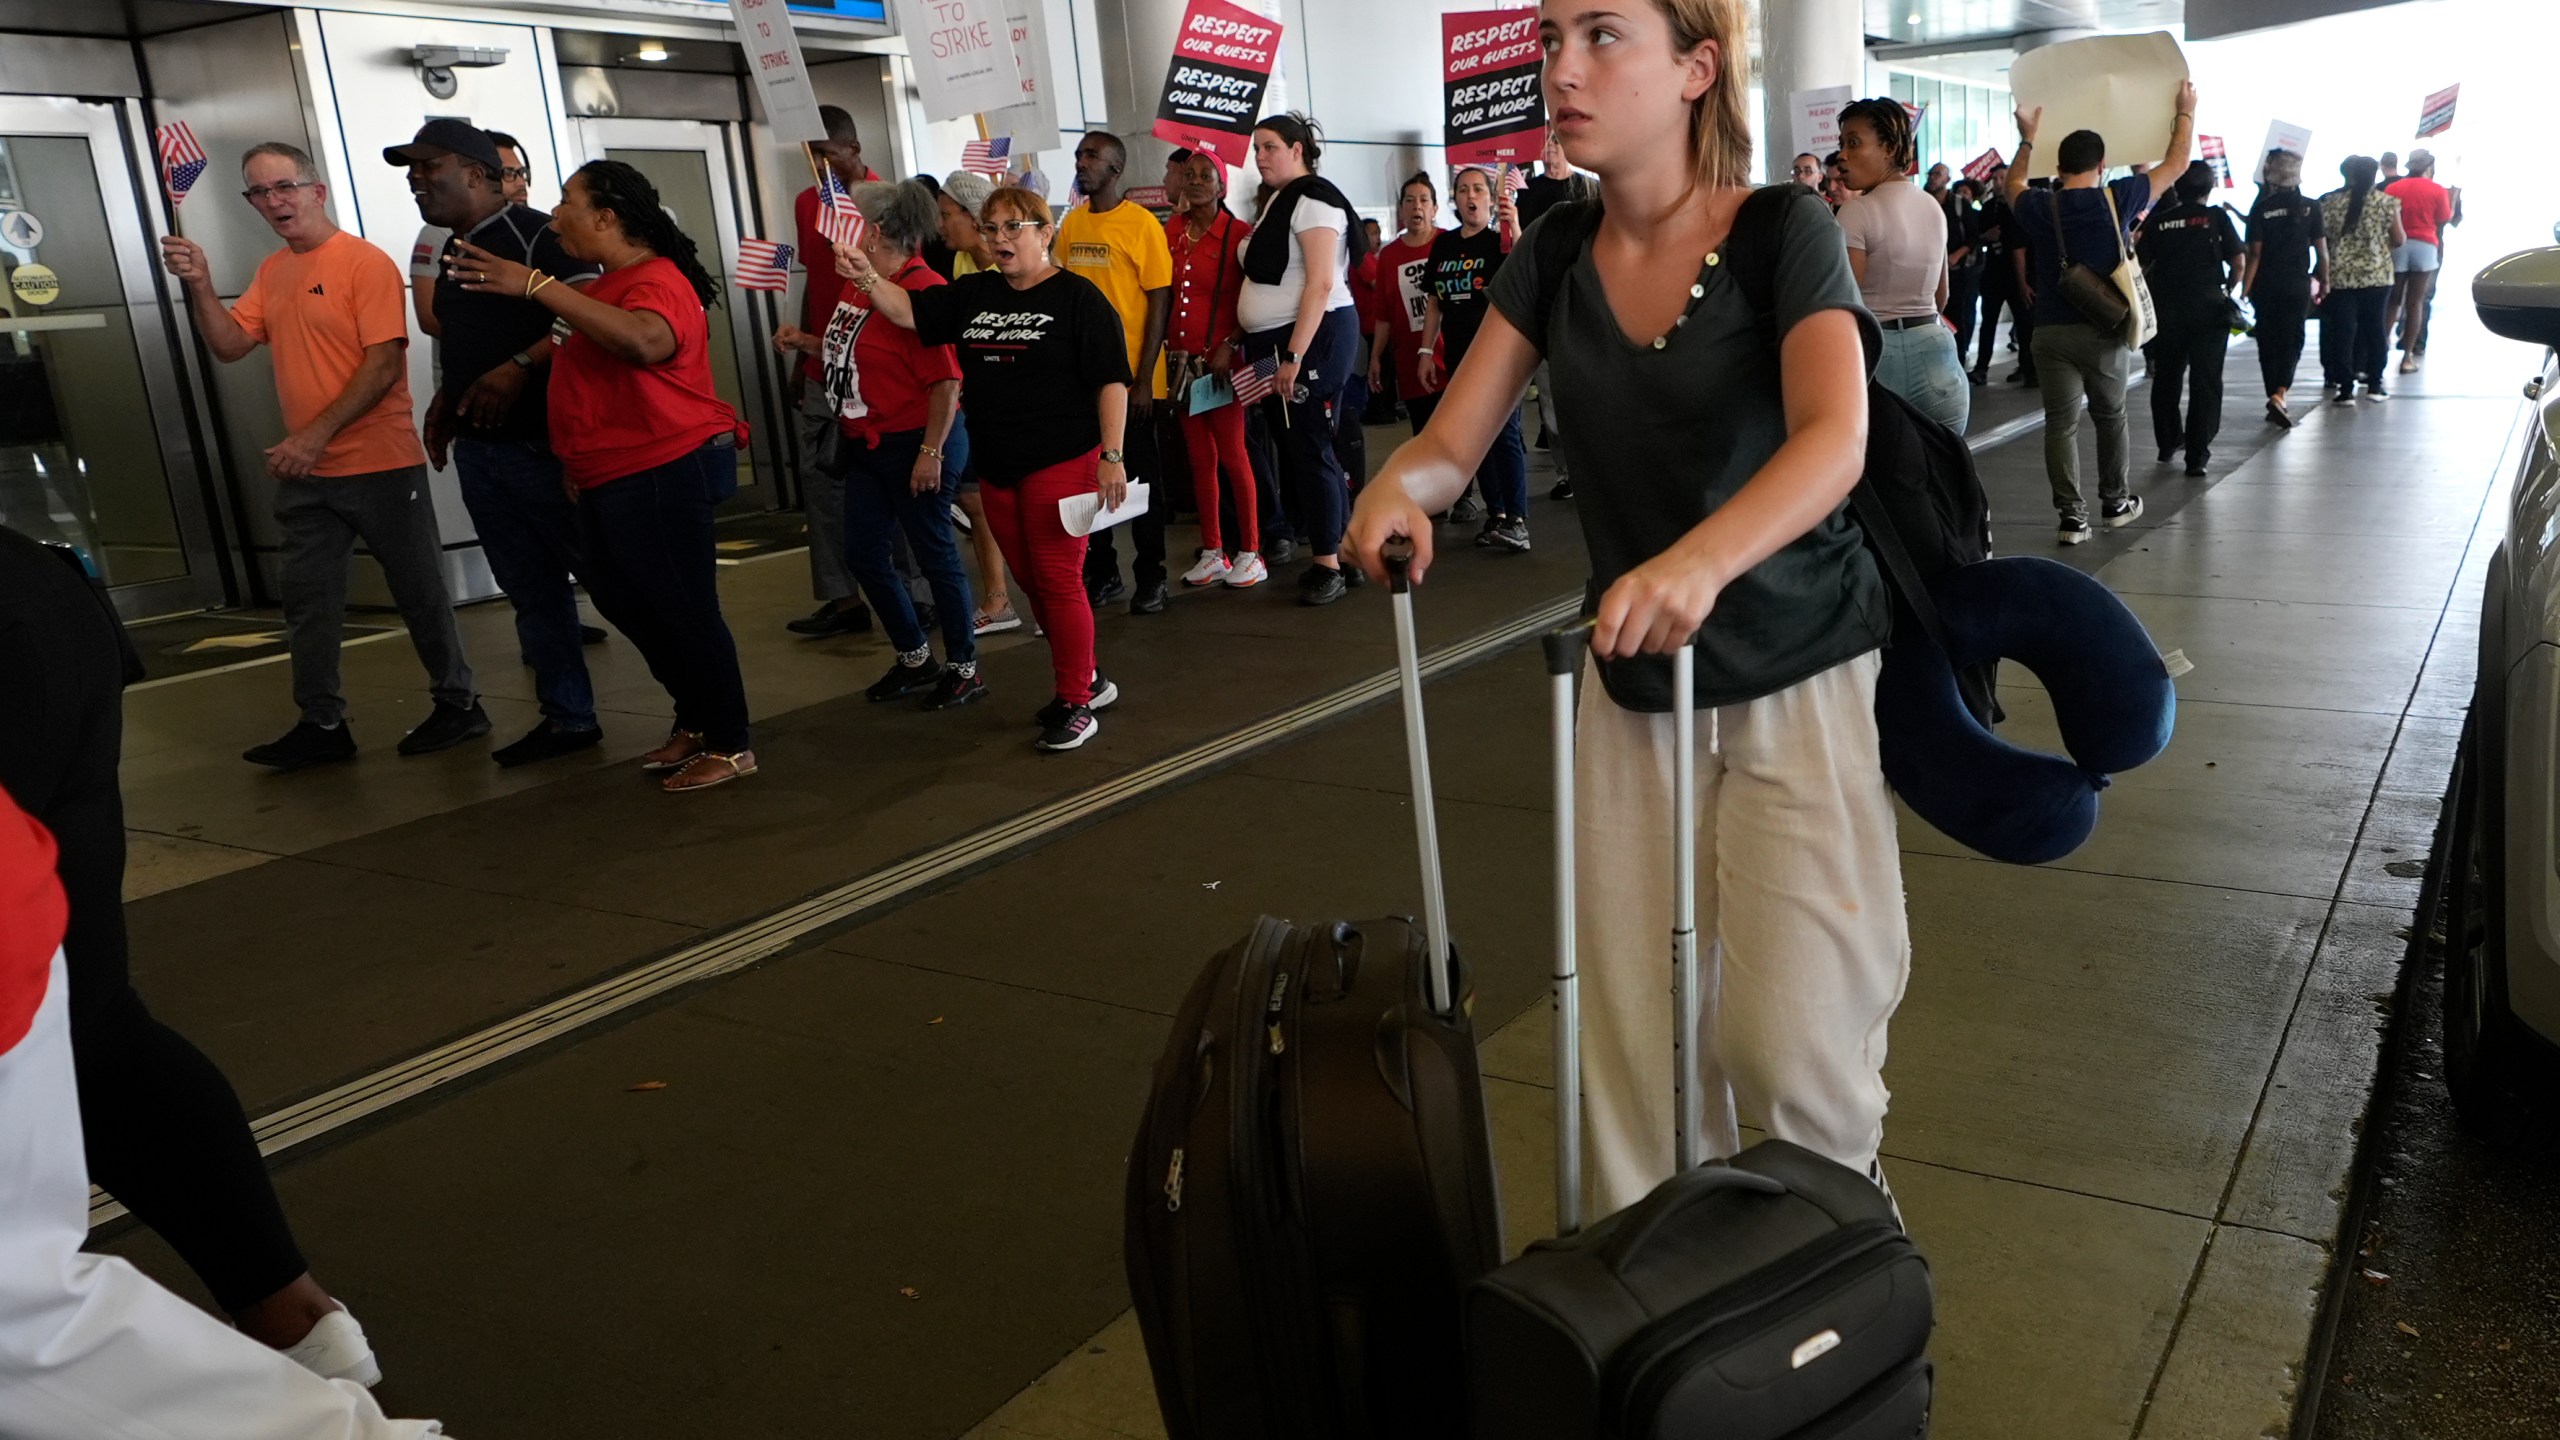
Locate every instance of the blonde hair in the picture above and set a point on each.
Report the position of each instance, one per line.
(1025, 204)
(1720, 120)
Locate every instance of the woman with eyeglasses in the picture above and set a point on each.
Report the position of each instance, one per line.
(1044, 371)
(649, 448)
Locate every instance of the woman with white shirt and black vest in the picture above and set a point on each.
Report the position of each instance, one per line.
(1297, 307)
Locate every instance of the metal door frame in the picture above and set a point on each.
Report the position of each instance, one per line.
(722, 149)
(168, 382)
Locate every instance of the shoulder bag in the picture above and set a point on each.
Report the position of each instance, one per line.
(2119, 303)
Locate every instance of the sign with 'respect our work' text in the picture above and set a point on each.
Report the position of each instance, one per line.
(1490, 60)
(1222, 58)
(773, 57)
(963, 54)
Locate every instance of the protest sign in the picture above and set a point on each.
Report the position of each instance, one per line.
(963, 55)
(1492, 106)
(2281, 135)
(1817, 117)
(1035, 119)
(2125, 87)
(2436, 116)
(773, 58)
(1222, 59)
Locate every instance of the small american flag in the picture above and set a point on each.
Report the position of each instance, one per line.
(763, 265)
(837, 219)
(1979, 168)
(1258, 381)
(181, 159)
(2436, 116)
(987, 157)
(1514, 179)
(2209, 149)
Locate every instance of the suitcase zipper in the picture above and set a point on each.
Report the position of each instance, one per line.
(1643, 1379)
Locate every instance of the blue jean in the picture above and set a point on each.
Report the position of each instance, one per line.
(1504, 473)
(879, 501)
(1922, 365)
(529, 530)
(1319, 496)
(653, 569)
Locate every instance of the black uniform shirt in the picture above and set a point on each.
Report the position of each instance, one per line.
(483, 328)
(2184, 249)
(2283, 224)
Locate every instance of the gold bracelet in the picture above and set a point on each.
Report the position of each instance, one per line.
(929, 450)
(533, 281)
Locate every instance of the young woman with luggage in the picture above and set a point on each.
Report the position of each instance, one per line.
(1713, 446)
(1045, 374)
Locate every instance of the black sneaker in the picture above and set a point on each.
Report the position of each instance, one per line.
(2279, 416)
(1563, 490)
(1512, 535)
(2374, 393)
(954, 690)
(2195, 462)
(1353, 577)
(304, 746)
(1321, 585)
(1484, 537)
(1979, 375)
(1468, 510)
(2121, 512)
(1075, 726)
(1280, 551)
(546, 741)
(1111, 589)
(2168, 453)
(1150, 600)
(903, 681)
(836, 617)
(444, 727)
(2072, 529)
(1105, 695)
(2345, 395)
(590, 634)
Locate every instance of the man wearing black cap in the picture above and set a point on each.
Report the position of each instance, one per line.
(490, 411)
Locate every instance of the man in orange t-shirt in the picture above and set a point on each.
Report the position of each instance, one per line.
(333, 313)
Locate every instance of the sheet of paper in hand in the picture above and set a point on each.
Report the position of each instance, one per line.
(2125, 87)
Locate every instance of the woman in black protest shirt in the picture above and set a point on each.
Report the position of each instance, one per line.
(2288, 270)
(1463, 262)
(1044, 372)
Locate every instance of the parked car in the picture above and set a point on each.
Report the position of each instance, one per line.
(2498, 870)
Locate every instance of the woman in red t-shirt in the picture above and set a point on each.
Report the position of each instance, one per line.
(895, 400)
(1404, 291)
(649, 450)
(1200, 339)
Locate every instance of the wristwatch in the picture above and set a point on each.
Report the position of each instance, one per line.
(523, 359)
(1290, 357)
(1110, 457)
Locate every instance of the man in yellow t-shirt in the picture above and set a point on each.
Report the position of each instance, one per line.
(1120, 247)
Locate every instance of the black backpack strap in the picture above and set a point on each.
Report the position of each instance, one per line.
(1887, 541)
(1556, 243)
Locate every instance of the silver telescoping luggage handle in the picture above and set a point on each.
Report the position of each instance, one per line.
(1565, 650)
(1417, 749)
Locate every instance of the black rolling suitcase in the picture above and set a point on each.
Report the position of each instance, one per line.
(1769, 1297)
(1312, 1188)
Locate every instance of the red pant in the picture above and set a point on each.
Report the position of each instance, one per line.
(1216, 441)
(1050, 563)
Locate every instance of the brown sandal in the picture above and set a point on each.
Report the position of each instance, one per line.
(708, 769)
(682, 745)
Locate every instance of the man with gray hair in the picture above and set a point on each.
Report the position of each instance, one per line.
(333, 313)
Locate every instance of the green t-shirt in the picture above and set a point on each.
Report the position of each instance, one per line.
(1659, 436)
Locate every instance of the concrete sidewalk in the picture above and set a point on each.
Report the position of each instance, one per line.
(2128, 1086)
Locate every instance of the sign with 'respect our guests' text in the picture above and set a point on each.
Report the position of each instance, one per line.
(773, 57)
(1222, 58)
(963, 54)
(1490, 61)
(2436, 116)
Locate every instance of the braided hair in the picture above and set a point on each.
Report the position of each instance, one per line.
(615, 186)
(1891, 125)
(2358, 172)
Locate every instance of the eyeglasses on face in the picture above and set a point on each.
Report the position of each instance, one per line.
(1008, 227)
(257, 194)
(514, 172)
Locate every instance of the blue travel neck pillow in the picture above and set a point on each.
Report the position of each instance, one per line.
(2112, 701)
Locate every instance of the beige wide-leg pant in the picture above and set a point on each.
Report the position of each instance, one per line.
(1799, 878)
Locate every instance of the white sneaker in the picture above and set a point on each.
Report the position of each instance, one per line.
(1211, 569)
(337, 1350)
(1246, 572)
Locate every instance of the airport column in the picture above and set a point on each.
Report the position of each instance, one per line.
(1805, 45)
